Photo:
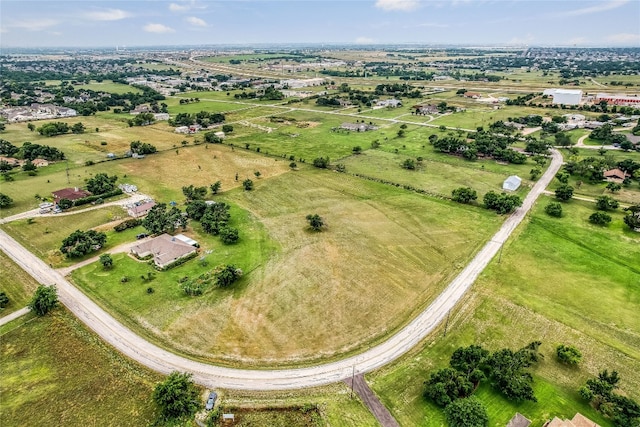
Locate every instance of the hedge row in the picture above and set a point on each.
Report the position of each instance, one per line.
(90, 199)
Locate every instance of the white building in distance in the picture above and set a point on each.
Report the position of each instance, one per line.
(564, 96)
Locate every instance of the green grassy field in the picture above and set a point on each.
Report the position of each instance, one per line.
(16, 283)
(108, 86)
(55, 371)
(44, 235)
(376, 236)
(556, 282)
(433, 176)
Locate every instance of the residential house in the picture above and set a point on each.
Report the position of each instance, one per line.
(357, 127)
(74, 193)
(141, 209)
(519, 420)
(578, 420)
(615, 175)
(142, 108)
(40, 162)
(473, 95)
(391, 103)
(164, 250)
(426, 109)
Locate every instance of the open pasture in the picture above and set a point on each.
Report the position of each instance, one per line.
(308, 296)
(556, 282)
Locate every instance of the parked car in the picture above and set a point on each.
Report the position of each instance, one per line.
(211, 401)
(141, 236)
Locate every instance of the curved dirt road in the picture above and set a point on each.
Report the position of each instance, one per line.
(163, 361)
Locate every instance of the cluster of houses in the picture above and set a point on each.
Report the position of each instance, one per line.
(36, 112)
(579, 121)
(13, 162)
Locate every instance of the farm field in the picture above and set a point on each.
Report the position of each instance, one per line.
(383, 247)
(54, 369)
(549, 285)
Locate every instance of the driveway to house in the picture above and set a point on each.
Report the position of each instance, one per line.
(36, 212)
(158, 359)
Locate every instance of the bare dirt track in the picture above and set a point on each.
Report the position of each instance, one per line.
(158, 359)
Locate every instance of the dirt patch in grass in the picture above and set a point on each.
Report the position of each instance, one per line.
(292, 416)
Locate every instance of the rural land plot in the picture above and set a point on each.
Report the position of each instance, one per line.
(435, 177)
(16, 284)
(555, 283)
(54, 369)
(319, 294)
(307, 136)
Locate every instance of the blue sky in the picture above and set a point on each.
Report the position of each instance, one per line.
(45, 23)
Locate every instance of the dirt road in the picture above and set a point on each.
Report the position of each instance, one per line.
(211, 376)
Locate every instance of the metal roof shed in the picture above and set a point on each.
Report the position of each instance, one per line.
(512, 183)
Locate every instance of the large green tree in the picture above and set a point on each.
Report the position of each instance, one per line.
(5, 201)
(446, 385)
(564, 192)
(163, 220)
(215, 218)
(177, 396)
(464, 195)
(101, 183)
(469, 412)
(80, 243)
(508, 372)
(44, 300)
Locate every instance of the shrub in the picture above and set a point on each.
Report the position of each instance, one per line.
(600, 218)
(554, 209)
(568, 355)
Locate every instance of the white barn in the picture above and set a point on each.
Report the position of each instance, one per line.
(512, 183)
(565, 96)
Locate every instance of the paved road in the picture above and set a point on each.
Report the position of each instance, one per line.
(372, 402)
(13, 316)
(163, 361)
(36, 212)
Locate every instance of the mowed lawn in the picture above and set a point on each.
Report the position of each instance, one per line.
(561, 281)
(16, 284)
(385, 254)
(56, 372)
(43, 236)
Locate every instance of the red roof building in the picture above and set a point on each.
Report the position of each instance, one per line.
(70, 194)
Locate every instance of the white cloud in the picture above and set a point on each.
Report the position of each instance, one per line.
(578, 41)
(624, 38)
(158, 28)
(364, 40)
(107, 15)
(432, 25)
(3, 30)
(196, 22)
(175, 7)
(185, 6)
(34, 24)
(602, 7)
(403, 5)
